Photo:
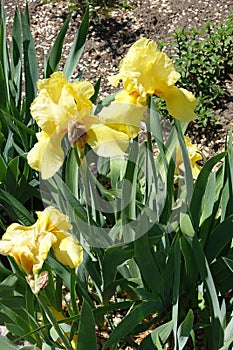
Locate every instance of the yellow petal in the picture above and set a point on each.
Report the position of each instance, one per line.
(54, 109)
(68, 251)
(123, 115)
(45, 240)
(51, 219)
(5, 247)
(106, 141)
(16, 242)
(30, 245)
(56, 79)
(145, 70)
(59, 101)
(195, 170)
(180, 103)
(24, 258)
(47, 155)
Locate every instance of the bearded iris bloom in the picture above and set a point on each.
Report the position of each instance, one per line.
(63, 107)
(30, 245)
(145, 71)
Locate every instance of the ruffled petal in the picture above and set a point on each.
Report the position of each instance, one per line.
(52, 220)
(5, 247)
(53, 109)
(59, 101)
(144, 69)
(180, 103)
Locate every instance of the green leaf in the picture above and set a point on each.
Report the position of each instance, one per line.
(86, 323)
(16, 60)
(14, 207)
(4, 63)
(131, 320)
(55, 53)
(162, 332)
(30, 62)
(184, 330)
(77, 47)
(3, 168)
(200, 188)
(216, 335)
(97, 87)
(148, 267)
(113, 257)
(219, 238)
(6, 344)
(208, 212)
(12, 175)
(7, 286)
(186, 225)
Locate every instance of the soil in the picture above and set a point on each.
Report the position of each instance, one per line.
(110, 37)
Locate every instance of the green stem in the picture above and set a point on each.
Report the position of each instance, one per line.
(53, 322)
(72, 291)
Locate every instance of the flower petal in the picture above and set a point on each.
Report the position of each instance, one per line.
(145, 70)
(180, 103)
(47, 155)
(68, 251)
(53, 109)
(105, 140)
(122, 115)
(51, 219)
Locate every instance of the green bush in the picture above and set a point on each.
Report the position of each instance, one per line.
(204, 59)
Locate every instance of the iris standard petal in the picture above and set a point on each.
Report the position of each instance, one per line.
(68, 251)
(180, 103)
(54, 109)
(144, 69)
(47, 155)
(51, 219)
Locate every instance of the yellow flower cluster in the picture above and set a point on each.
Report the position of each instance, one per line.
(63, 107)
(30, 245)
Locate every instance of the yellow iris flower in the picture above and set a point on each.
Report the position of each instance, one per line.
(30, 245)
(63, 107)
(194, 156)
(145, 71)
